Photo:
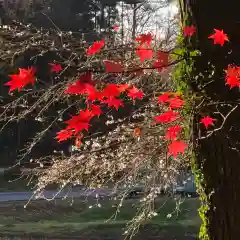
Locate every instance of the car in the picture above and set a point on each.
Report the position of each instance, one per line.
(187, 187)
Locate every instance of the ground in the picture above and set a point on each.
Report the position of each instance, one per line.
(64, 219)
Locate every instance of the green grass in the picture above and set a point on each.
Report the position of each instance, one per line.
(59, 219)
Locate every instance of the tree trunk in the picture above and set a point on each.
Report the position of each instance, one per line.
(218, 156)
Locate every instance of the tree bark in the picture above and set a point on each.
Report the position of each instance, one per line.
(217, 156)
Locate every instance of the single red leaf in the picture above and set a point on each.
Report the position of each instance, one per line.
(172, 132)
(232, 76)
(144, 53)
(135, 93)
(96, 47)
(145, 38)
(167, 117)
(80, 122)
(176, 147)
(163, 98)
(207, 121)
(113, 67)
(232, 81)
(219, 37)
(64, 135)
(23, 78)
(188, 31)
(176, 103)
(55, 67)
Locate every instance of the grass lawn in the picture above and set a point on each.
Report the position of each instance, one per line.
(61, 220)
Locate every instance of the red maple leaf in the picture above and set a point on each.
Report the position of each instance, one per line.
(144, 53)
(167, 117)
(219, 37)
(123, 87)
(111, 90)
(114, 102)
(176, 103)
(176, 147)
(232, 81)
(232, 76)
(172, 132)
(162, 61)
(233, 70)
(145, 38)
(55, 67)
(113, 67)
(135, 93)
(207, 121)
(96, 47)
(188, 31)
(19, 81)
(80, 122)
(64, 135)
(96, 110)
(163, 98)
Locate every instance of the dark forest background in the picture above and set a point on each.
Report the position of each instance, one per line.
(84, 19)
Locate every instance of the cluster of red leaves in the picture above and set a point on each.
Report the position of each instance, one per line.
(95, 98)
(219, 37)
(22, 79)
(109, 94)
(232, 72)
(143, 51)
(173, 102)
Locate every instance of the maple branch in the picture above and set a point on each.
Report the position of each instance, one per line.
(210, 133)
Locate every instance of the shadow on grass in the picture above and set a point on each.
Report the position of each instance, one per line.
(60, 220)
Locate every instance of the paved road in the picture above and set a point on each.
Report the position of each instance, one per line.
(17, 196)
